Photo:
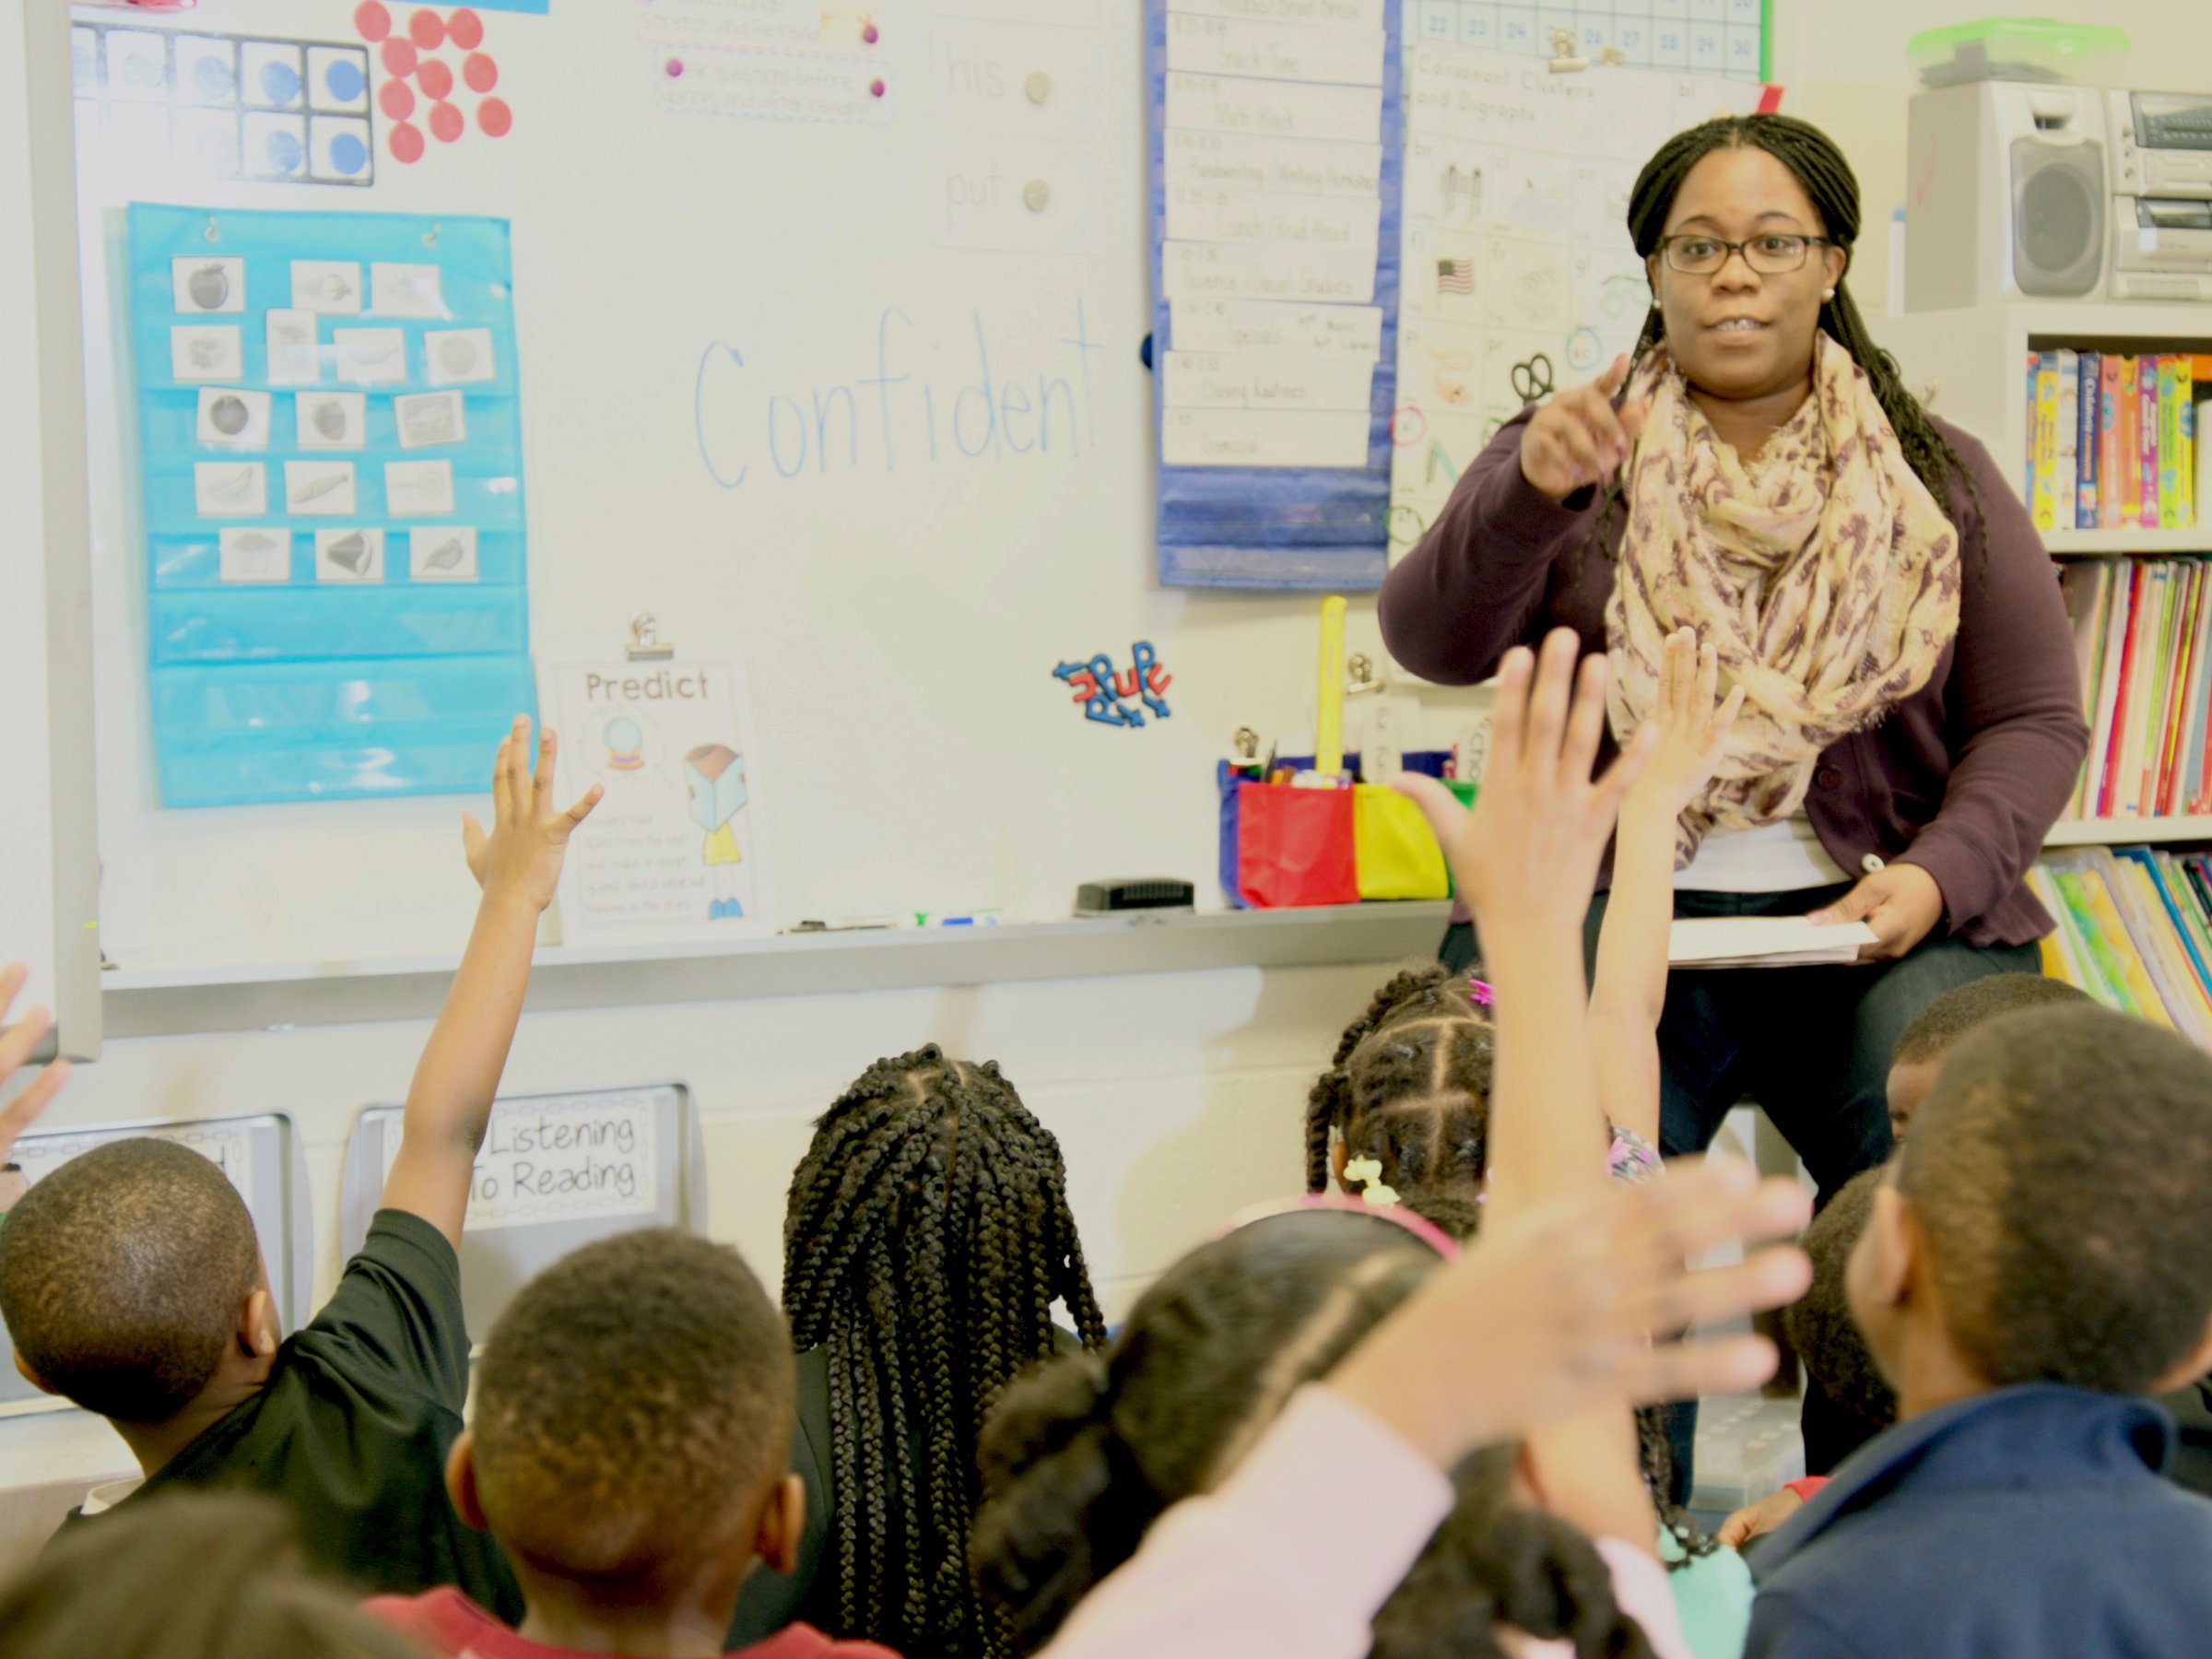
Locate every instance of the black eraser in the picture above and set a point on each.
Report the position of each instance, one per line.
(1121, 893)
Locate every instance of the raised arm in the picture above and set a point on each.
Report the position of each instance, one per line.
(1629, 990)
(518, 865)
(1474, 585)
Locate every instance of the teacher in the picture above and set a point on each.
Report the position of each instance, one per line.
(1913, 715)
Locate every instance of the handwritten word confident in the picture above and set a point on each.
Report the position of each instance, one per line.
(875, 421)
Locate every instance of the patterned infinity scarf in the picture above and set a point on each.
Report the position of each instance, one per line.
(1822, 569)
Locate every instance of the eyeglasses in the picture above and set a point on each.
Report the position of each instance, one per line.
(1774, 256)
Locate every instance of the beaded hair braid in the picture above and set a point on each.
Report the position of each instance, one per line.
(1409, 1087)
(926, 1238)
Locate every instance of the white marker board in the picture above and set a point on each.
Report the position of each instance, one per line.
(825, 393)
(555, 1172)
(264, 1159)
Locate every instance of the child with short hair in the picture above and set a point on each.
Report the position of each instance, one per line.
(1922, 1045)
(629, 1452)
(2039, 1253)
(926, 1238)
(132, 1282)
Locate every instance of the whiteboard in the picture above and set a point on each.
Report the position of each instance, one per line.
(752, 358)
(45, 681)
(264, 1159)
(555, 1172)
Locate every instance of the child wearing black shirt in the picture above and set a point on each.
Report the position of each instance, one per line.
(132, 1283)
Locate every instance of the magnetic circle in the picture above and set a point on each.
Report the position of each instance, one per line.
(673, 67)
(1039, 86)
(464, 30)
(279, 83)
(434, 77)
(399, 56)
(284, 150)
(348, 154)
(404, 141)
(372, 21)
(478, 70)
(209, 287)
(445, 122)
(871, 34)
(397, 99)
(212, 78)
(227, 414)
(427, 29)
(495, 117)
(344, 81)
(1035, 195)
(876, 88)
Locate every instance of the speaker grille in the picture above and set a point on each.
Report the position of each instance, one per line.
(2058, 200)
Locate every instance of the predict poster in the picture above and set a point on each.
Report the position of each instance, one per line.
(674, 851)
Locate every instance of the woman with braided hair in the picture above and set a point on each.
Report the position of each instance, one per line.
(926, 1241)
(1912, 720)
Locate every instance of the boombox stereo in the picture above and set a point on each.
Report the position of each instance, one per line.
(2024, 191)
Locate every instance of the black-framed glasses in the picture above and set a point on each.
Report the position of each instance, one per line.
(1772, 255)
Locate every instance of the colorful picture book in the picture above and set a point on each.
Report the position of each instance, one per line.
(2143, 640)
(2112, 441)
(2134, 931)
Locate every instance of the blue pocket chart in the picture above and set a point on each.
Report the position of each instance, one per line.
(330, 431)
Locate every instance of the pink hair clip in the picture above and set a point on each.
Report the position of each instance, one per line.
(1480, 991)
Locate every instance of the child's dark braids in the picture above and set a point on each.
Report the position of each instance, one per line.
(1409, 1087)
(1816, 162)
(926, 1238)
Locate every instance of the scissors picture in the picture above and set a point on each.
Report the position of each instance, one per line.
(1532, 379)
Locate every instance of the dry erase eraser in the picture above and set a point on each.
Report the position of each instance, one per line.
(1120, 893)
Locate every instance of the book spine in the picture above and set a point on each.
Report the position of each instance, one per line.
(2184, 387)
(2118, 762)
(2108, 443)
(2045, 504)
(2067, 438)
(2085, 444)
(2170, 454)
(2130, 472)
(2171, 762)
(2118, 601)
(2146, 414)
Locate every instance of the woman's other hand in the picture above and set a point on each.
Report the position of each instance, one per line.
(1901, 903)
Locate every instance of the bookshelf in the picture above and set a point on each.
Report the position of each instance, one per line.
(1968, 365)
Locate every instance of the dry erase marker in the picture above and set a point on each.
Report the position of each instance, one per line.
(966, 919)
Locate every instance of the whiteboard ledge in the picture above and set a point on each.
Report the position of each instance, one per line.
(247, 997)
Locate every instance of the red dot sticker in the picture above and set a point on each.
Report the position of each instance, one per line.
(397, 100)
(372, 21)
(871, 34)
(673, 68)
(427, 29)
(446, 124)
(399, 57)
(876, 88)
(495, 117)
(435, 79)
(464, 30)
(481, 74)
(406, 142)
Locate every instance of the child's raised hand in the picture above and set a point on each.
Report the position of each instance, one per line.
(1531, 846)
(1690, 731)
(521, 856)
(16, 1041)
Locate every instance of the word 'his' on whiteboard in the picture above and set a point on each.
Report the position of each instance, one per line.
(579, 1158)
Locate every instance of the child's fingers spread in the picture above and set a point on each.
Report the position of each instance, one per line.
(11, 984)
(583, 810)
(541, 785)
(1620, 776)
(1549, 698)
(1772, 1278)
(1724, 718)
(1585, 723)
(1438, 805)
(518, 765)
(1708, 678)
(19, 1040)
(1685, 1371)
(1509, 708)
(16, 1115)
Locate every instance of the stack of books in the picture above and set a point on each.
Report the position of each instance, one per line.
(2112, 441)
(2134, 931)
(2143, 640)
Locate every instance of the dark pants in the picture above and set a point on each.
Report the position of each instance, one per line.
(1811, 1045)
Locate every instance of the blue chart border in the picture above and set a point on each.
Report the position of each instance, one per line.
(1300, 528)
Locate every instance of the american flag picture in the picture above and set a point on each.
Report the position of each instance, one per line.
(1455, 277)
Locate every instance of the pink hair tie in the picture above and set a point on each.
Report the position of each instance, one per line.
(1480, 991)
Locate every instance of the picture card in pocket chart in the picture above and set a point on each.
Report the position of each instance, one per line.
(674, 851)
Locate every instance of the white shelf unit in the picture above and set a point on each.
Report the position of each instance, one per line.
(1971, 366)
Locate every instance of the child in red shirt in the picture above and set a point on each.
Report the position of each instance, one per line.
(633, 1420)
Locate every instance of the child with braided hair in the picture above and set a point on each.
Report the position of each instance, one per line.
(926, 1241)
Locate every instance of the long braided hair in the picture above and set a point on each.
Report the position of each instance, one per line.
(1410, 1087)
(926, 1238)
(1084, 1454)
(1816, 163)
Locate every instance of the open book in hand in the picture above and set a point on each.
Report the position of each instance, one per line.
(1763, 942)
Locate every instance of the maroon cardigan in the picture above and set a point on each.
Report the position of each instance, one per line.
(1964, 778)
